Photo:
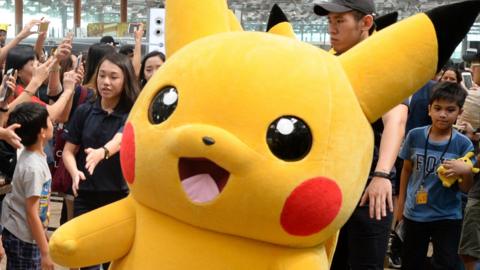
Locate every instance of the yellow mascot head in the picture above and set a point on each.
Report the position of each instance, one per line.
(263, 136)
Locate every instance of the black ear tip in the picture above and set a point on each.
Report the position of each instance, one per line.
(276, 16)
(452, 22)
(386, 20)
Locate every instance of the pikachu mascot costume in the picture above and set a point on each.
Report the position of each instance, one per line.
(250, 150)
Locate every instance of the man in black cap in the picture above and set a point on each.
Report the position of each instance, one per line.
(109, 40)
(362, 243)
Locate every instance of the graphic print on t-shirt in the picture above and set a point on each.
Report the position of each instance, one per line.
(44, 205)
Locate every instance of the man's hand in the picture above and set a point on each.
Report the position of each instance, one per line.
(378, 194)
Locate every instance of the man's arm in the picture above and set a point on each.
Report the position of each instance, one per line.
(38, 232)
(379, 192)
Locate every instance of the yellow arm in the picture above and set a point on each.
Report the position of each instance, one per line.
(99, 236)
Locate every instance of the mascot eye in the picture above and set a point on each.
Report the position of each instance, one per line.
(163, 105)
(289, 138)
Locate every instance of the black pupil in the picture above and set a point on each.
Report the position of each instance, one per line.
(163, 105)
(289, 138)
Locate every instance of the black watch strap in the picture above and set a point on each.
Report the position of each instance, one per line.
(382, 175)
(107, 153)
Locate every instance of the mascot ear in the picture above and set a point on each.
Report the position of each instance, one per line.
(405, 55)
(385, 20)
(234, 23)
(204, 18)
(279, 24)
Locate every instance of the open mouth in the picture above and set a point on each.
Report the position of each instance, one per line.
(202, 180)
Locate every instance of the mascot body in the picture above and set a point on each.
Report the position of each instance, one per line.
(235, 152)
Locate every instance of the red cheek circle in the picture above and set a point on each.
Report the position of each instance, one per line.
(127, 153)
(311, 207)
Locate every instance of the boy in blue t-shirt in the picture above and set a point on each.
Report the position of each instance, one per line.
(25, 209)
(432, 212)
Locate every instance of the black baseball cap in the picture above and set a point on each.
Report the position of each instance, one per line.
(341, 6)
(108, 40)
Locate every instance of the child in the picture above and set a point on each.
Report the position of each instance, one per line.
(25, 209)
(431, 211)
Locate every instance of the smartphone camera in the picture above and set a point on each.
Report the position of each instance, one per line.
(5, 91)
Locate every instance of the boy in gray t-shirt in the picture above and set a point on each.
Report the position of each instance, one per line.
(25, 210)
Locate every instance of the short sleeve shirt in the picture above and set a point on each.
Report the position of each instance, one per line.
(92, 127)
(35, 99)
(31, 178)
(443, 203)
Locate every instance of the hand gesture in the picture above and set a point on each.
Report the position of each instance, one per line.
(8, 134)
(139, 32)
(64, 49)
(70, 79)
(41, 71)
(378, 194)
(27, 29)
(76, 181)
(94, 156)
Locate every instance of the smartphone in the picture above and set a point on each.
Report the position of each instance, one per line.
(79, 61)
(132, 27)
(6, 92)
(52, 51)
(43, 27)
(467, 79)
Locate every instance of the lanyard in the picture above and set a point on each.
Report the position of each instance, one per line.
(426, 172)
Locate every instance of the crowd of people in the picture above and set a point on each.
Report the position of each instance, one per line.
(66, 110)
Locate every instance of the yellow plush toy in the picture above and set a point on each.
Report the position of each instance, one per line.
(250, 150)
(449, 181)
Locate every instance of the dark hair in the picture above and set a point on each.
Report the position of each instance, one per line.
(95, 53)
(143, 81)
(32, 117)
(454, 69)
(126, 49)
(18, 57)
(449, 91)
(358, 15)
(130, 84)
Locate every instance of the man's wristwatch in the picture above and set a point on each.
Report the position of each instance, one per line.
(382, 175)
(107, 153)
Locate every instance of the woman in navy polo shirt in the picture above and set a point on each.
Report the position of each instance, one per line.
(90, 133)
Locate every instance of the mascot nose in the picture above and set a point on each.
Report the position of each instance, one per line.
(208, 141)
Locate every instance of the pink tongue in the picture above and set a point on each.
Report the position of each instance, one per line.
(200, 188)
